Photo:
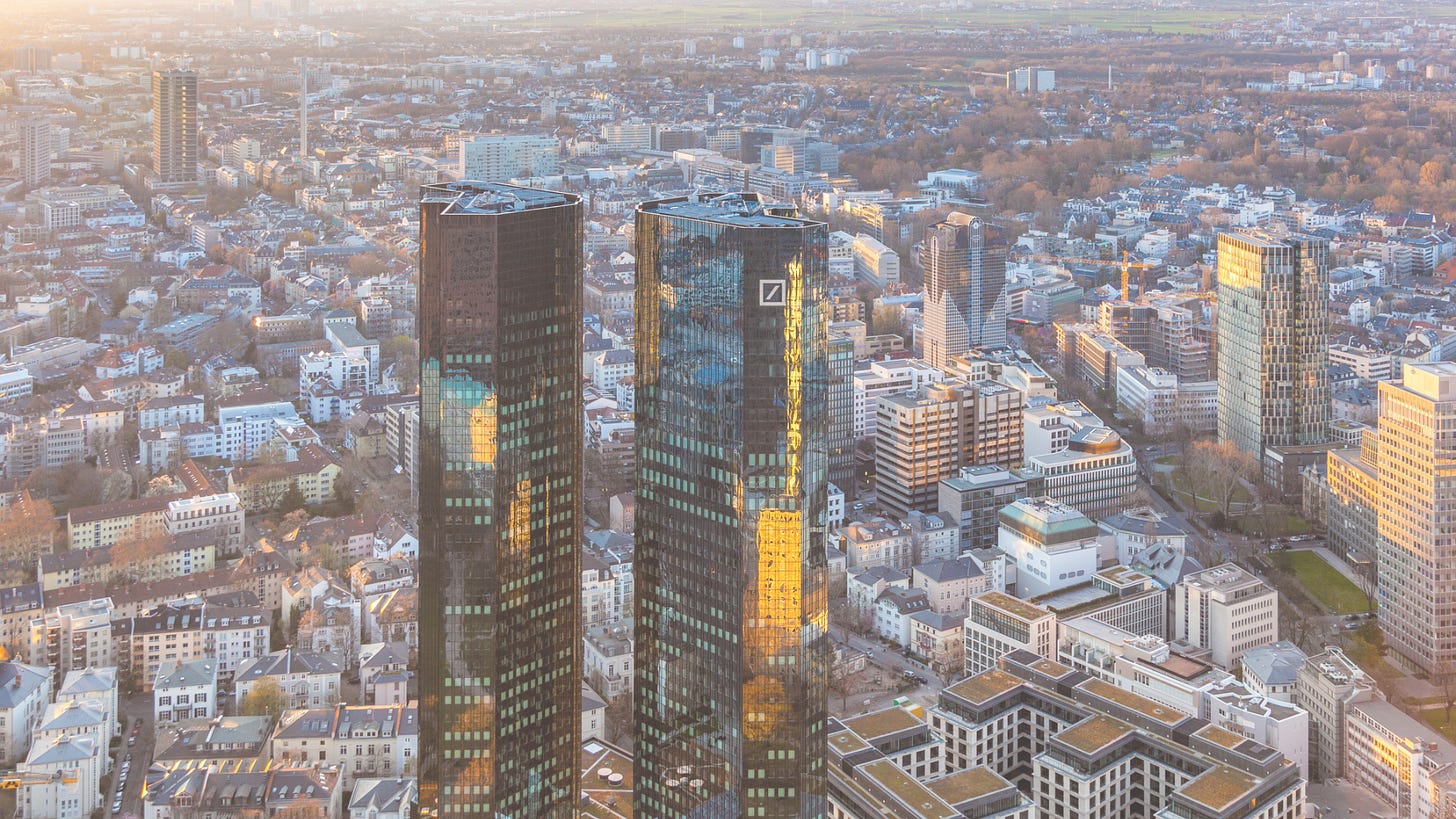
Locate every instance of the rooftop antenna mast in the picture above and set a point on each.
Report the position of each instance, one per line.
(302, 108)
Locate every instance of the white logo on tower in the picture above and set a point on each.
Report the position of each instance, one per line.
(772, 293)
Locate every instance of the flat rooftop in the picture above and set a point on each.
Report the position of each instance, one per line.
(734, 209)
(883, 723)
(1013, 606)
(1095, 733)
(1219, 787)
(911, 794)
(493, 197)
(984, 686)
(963, 786)
(1133, 702)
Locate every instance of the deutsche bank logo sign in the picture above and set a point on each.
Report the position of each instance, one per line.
(772, 293)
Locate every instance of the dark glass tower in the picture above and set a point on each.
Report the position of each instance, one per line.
(732, 401)
(500, 467)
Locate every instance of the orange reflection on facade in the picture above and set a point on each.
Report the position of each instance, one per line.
(780, 586)
(483, 434)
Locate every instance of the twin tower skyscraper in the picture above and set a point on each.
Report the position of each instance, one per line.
(732, 391)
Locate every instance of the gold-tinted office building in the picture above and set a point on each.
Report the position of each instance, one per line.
(499, 485)
(1413, 452)
(1273, 340)
(731, 670)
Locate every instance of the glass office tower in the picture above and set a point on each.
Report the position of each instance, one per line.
(732, 400)
(1273, 340)
(500, 472)
(964, 259)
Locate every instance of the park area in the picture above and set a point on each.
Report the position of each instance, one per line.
(1322, 582)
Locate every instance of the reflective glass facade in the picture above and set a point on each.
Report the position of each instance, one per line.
(732, 401)
(500, 466)
(1273, 340)
(965, 287)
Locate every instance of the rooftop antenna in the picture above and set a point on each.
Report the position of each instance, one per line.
(1109, 76)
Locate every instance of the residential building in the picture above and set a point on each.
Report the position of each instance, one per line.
(732, 395)
(1226, 610)
(175, 126)
(364, 741)
(502, 157)
(879, 542)
(499, 515)
(1273, 340)
(607, 661)
(949, 585)
(73, 636)
(95, 687)
(185, 690)
(23, 699)
(308, 680)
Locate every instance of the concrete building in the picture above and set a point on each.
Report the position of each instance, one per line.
(36, 148)
(1327, 686)
(973, 497)
(923, 437)
(1226, 610)
(174, 127)
(1068, 739)
(73, 636)
(998, 624)
(949, 585)
(1052, 545)
(1096, 472)
(1400, 760)
(503, 157)
(880, 378)
(1273, 340)
(874, 261)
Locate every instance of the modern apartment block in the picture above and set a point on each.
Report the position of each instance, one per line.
(923, 437)
(1226, 610)
(174, 126)
(503, 157)
(998, 624)
(1273, 340)
(886, 378)
(964, 259)
(732, 653)
(35, 151)
(500, 448)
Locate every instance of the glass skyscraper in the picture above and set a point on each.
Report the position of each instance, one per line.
(732, 400)
(1273, 340)
(499, 479)
(965, 287)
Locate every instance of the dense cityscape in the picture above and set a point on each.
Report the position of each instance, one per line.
(999, 410)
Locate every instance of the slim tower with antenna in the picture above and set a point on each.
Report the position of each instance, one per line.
(1109, 76)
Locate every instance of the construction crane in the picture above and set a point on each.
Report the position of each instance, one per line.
(1126, 265)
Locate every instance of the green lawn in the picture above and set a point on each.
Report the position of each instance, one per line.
(1283, 522)
(1436, 718)
(1322, 582)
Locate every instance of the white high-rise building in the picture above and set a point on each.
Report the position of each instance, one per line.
(35, 151)
(503, 157)
(1226, 610)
